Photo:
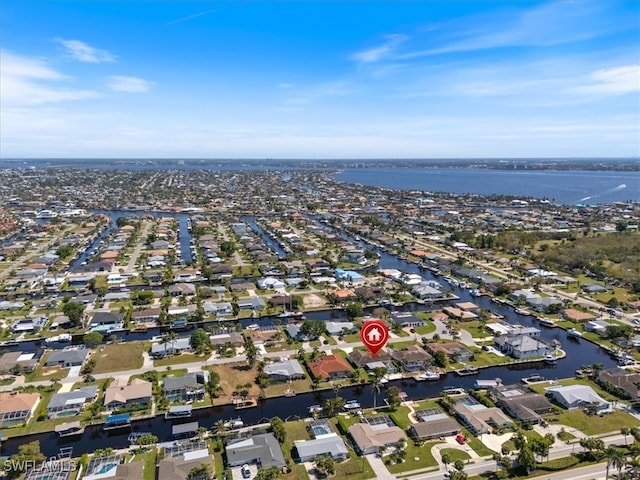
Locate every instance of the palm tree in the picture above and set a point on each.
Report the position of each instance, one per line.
(613, 456)
(376, 385)
(633, 467)
(625, 431)
(221, 428)
(618, 461)
(446, 459)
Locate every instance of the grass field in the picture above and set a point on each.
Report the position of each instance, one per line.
(180, 358)
(455, 454)
(594, 424)
(417, 457)
(232, 375)
(116, 357)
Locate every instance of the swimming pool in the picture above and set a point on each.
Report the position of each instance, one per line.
(320, 430)
(105, 468)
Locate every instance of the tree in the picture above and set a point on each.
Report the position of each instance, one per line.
(354, 309)
(278, 429)
(312, 328)
(526, 458)
(459, 465)
(324, 464)
(393, 397)
(615, 458)
(625, 431)
(92, 339)
(200, 341)
(270, 473)
(201, 472)
(27, 455)
(221, 428)
(441, 359)
(446, 459)
(250, 351)
(75, 312)
(333, 405)
(147, 439)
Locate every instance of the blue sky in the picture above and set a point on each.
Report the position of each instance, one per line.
(323, 79)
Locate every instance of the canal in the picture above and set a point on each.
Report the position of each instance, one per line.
(578, 353)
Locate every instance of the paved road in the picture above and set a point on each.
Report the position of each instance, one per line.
(142, 238)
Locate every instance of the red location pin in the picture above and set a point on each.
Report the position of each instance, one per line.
(374, 335)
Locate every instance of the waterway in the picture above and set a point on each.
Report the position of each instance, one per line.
(578, 353)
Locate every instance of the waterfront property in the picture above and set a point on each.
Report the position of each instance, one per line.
(17, 407)
(411, 358)
(285, 370)
(330, 367)
(190, 386)
(67, 404)
(433, 423)
(627, 381)
(375, 433)
(522, 404)
(73, 357)
(522, 346)
(179, 459)
(170, 347)
(478, 418)
(326, 444)
(122, 395)
(263, 450)
(579, 396)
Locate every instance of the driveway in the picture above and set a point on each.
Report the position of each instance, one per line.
(377, 464)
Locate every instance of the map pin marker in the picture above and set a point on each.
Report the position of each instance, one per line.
(374, 335)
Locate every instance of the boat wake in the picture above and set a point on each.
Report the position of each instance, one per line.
(622, 186)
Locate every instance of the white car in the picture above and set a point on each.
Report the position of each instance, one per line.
(246, 471)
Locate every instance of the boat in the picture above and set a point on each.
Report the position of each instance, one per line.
(351, 405)
(547, 322)
(289, 392)
(63, 338)
(522, 311)
(427, 375)
(572, 332)
(474, 292)
(69, 429)
(550, 359)
(315, 409)
(234, 423)
(139, 328)
(253, 326)
(468, 370)
(241, 404)
(290, 314)
(135, 436)
(533, 378)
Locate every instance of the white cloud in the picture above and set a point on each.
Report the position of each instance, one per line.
(84, 52)
(612, 81)
(28, 81)
(121, 83)
(381, 51)
(190, 17)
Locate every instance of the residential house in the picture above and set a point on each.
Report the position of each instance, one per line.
(329, 444)
(330, 367)
(407, 320)
(67, 404)
(433, 423)
(179, 459)
(370, 439)
(251, 303)
(263, 450)
(579, 396)
(522, 404)
(597, 326)
(478, 418)
(17, 362)
(190, 386)
(171, 347)
(412, 358)
(339, 328)
(17, 407)
(180, 289)
(543, 304)
(270, 283)
(285, 370)
(120, 395)
(364, 359)
(427, 291)
(149, 315)
(522, 346)
(105, 321)
(67, 358)
(224, 338)
(222, 309)
(627, 381)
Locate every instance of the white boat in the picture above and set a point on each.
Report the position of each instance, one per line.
(351, 405)
(550, 359)
(572, 332)
(522, 311)
(133, 437)
(547, 322)
(253, 326)
(427, 375)
(63, 337)
(234, 423)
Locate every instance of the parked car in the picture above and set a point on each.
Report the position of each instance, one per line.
(460, 439)
(246, 471)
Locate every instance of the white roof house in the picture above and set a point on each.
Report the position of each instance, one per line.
(578, 396)
(329, 444)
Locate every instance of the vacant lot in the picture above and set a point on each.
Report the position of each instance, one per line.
(231, 377)
(594, 424)
(117, 357)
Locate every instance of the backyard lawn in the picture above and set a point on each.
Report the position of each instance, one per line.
(595, 424)
(417, 458)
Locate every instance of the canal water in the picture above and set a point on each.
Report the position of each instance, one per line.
(578, 353)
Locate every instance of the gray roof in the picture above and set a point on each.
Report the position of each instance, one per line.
(263, 449)
(77, 396)
(190, 380)
(330, 444)
(68, 356)
(286, 368)
(177, 344)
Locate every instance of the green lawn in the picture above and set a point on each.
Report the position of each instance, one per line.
(417, 457)
(355, 468)
(455, 454)
(594, 424)
(46, 373)
(181, 358)
(116, 357)
(149, 459)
